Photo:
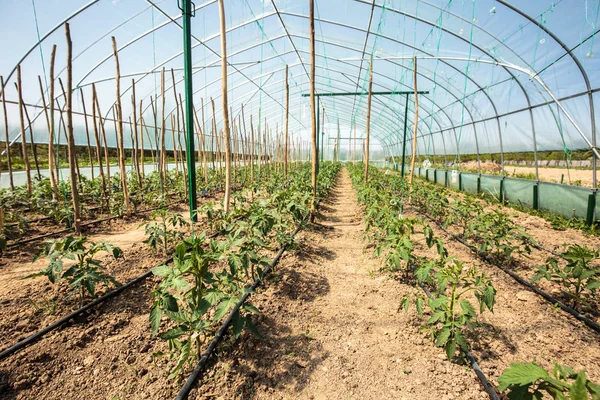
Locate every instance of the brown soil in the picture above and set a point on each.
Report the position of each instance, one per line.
(523, 327)
(555, 174)
(330, 329)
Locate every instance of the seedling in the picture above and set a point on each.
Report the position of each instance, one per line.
(86, 273)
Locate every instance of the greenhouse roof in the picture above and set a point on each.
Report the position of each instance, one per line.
(501, 76)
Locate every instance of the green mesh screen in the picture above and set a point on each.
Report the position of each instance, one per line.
(518, 191)
(469, 182)
(565, 200)
(490, 185)
(453, 179)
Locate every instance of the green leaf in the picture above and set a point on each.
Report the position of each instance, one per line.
(162, 270)
(467, 308)
(578, 390)
(179, 283)
(174, 333)
(450, 349)
(155, 316)
(594, 390)
(521, 374)
(442, 336)
(237, 324)
(437, 316)
(251, 327)
(419, 304)
(183, 356)
(178, 316)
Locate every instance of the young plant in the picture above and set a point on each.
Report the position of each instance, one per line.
(187, 292)
(86, 272)
(452, 315)
(164, 228)
(579, 279)
(530, 381)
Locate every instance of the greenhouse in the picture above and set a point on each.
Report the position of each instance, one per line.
(257, 199)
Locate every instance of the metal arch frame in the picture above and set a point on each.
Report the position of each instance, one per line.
(50, 32)
(556, 100)
(581, 69)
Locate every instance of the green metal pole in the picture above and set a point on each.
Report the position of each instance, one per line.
(318, 127)
(189, 106)
(404, 141)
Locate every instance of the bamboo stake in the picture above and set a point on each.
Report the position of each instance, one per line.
(313, 109)
(119, 112)
(154, 153)
(23, 134)
(287, 115)
(43, 97)
(252, 151)
(101, 124)
(77, 171)
(142, 153)
(414, 152)
(368, 133)
(214, 134)
(225, 107)
(174, 145)
(136, 154)
(70, 137)
(7, 139)
(204, 158)
(87, 133)
(52, 162)
(163, 150)
(33, 145)
(98, 153)
(201, 143)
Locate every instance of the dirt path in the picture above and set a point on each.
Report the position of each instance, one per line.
(331, 328)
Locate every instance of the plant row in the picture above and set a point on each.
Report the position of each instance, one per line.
(208, 275)
(456, 293)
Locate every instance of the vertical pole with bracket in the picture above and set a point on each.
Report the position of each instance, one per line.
(187, 11)
(404, 140)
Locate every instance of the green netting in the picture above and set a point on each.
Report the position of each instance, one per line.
(469, 182)
(567, 201)
(490, 185)
(453, 179)
(519, 191)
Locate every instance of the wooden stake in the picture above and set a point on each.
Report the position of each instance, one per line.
(70, 137)
(313, 109)
(414, 152)
(101, 124)
(52, 162)
(225, 107)
(98, 153)
(287, 115)
(368, 133)
(7, 139)
(136, 158)
(33, 145)
(120, 129)
(142, 153)
(23, 134)
(163, 150)
(87, 133)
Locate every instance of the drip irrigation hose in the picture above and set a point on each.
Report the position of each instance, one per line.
(36, 238)
(552, 300)
(487, 386)
(191, 380)
(39, 334)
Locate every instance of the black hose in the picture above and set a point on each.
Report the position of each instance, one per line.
(39, 334)
(191, 380)
(85, 224)
(589, 322)
(487, 386)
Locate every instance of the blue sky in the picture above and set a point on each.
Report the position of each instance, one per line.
(443, 34)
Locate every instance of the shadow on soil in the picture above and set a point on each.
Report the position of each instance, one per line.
(282, 358)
